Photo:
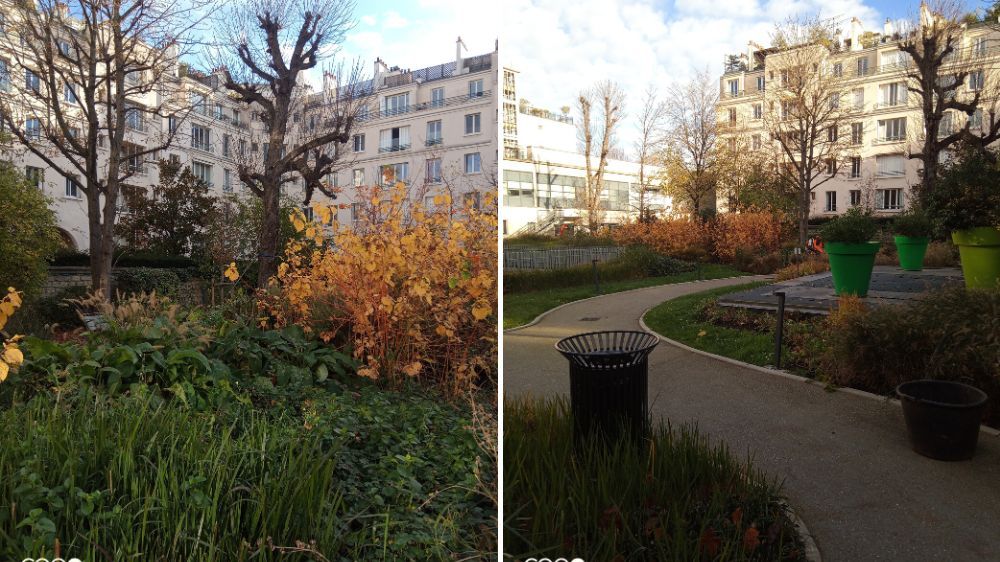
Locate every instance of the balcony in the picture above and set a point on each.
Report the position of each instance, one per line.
(890, 103)
(203, 146)
(433, 142)
(394, 147)
(136, 126)
(730, 95)
(418, 107)
(890, 139)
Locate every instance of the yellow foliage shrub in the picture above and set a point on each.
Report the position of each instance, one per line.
(679, 238)
(10, 355)
(752, 233)
(810, 266)
(413, 290)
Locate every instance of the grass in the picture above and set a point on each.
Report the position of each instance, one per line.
(523, 307)
(678, 320)
(679, 499)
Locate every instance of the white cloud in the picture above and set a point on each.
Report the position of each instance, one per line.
(393, 20)
(561, 47)
(369, 20)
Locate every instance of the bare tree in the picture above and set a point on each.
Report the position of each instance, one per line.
(804, 113)
(651, 137)
(692, 132)
(267, 47)
(936, 69)
(597, 137)
(96, 72)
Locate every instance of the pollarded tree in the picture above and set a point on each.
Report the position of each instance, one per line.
(268, 46)
(596, 133)
(804, 116)
(90, 75)
(950, 78)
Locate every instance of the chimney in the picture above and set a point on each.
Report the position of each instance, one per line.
(459, 45)
(888, 29)
(856, 31)
(380, 69)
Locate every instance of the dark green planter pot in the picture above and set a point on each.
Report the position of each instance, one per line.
(980, 252)
(852, 265)
(911, 252)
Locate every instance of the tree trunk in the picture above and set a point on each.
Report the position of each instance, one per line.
(270, 234)
(100, 248)
(803, 219)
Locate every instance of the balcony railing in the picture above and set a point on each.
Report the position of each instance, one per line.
(394, 147)
(418, 107)
(432, 142)
(203, 146)
(890, 140)
(890, 103)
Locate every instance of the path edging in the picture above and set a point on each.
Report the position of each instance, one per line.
(808, 541)
(767, 370)
(555, 308)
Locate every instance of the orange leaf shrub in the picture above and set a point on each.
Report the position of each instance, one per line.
(679, 238)
(809, 266)
(413, 290)
(750, 233)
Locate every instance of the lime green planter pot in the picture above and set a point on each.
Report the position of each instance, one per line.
(911, 252)
(852, 265)
(980, 252)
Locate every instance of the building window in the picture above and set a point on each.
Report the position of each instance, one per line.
(242, 147)
(832, 134)
(863, 66)
(476, 89)
(175, 158)
(831, 166)
(892, 129)
(133, 119)
(857, 133)
(394, 105)
(201, 138)
(473, 124)
(392, 173)
(732, 116)
(889, 165)
(202, 171)
(433, 174)
(473, 163)
(227, 180)
(855, 167)
(356, 213)
(519, 189)
(976, 80)
(359, 143)
(786, 109)
(437, 97)
(888, 199)
(831, 202)
(893, 94)
(394, 139)
(734, 88)
(69, 94)
(838, 69)
(472, 199)
(358, 177)
(4, 75)
(758, 111)
(976, 119)
(755, 142)
(859, 98)
(433, 133)
(72, 188)
(784, 78)
(855, 197)
(35, 176)
(31, 81)
(835, 101)
(760, 83)
(33, 129)
(226, 146)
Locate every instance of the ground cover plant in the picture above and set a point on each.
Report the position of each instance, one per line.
(680, 498)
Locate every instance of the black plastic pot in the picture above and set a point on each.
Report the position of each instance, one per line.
(608, 380)
(942, 417)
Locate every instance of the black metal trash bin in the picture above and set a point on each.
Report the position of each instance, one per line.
(608, 378)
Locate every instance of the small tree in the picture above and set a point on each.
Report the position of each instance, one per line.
(268, 46)
(94, 74)
(172, 219)
(650, 142)
(28, 234)
(804, 113)
(597, 137)
(693, 133)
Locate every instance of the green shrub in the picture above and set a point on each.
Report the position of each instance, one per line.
(147, 280)
(966, 194)
(651, 264)
(951, 334)
(123, 258)
(680, 498)
(856, 226)
(28, 233)
(913, 223)
(636, 262)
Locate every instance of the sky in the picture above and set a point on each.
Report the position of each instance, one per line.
(561, 47)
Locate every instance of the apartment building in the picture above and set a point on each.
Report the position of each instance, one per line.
(434, 127)
(885, 124)
(544, 173)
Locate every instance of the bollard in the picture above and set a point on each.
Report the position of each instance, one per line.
(779, 328)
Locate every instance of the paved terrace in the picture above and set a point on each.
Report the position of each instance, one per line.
(845, 461)
(814, 293)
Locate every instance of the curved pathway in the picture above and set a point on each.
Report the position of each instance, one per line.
(844, 459)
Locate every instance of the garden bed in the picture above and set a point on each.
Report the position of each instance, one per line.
(680, 498)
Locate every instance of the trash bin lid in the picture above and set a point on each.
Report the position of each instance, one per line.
(607, 349)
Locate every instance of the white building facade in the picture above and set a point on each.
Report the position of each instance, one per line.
(544, 174)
